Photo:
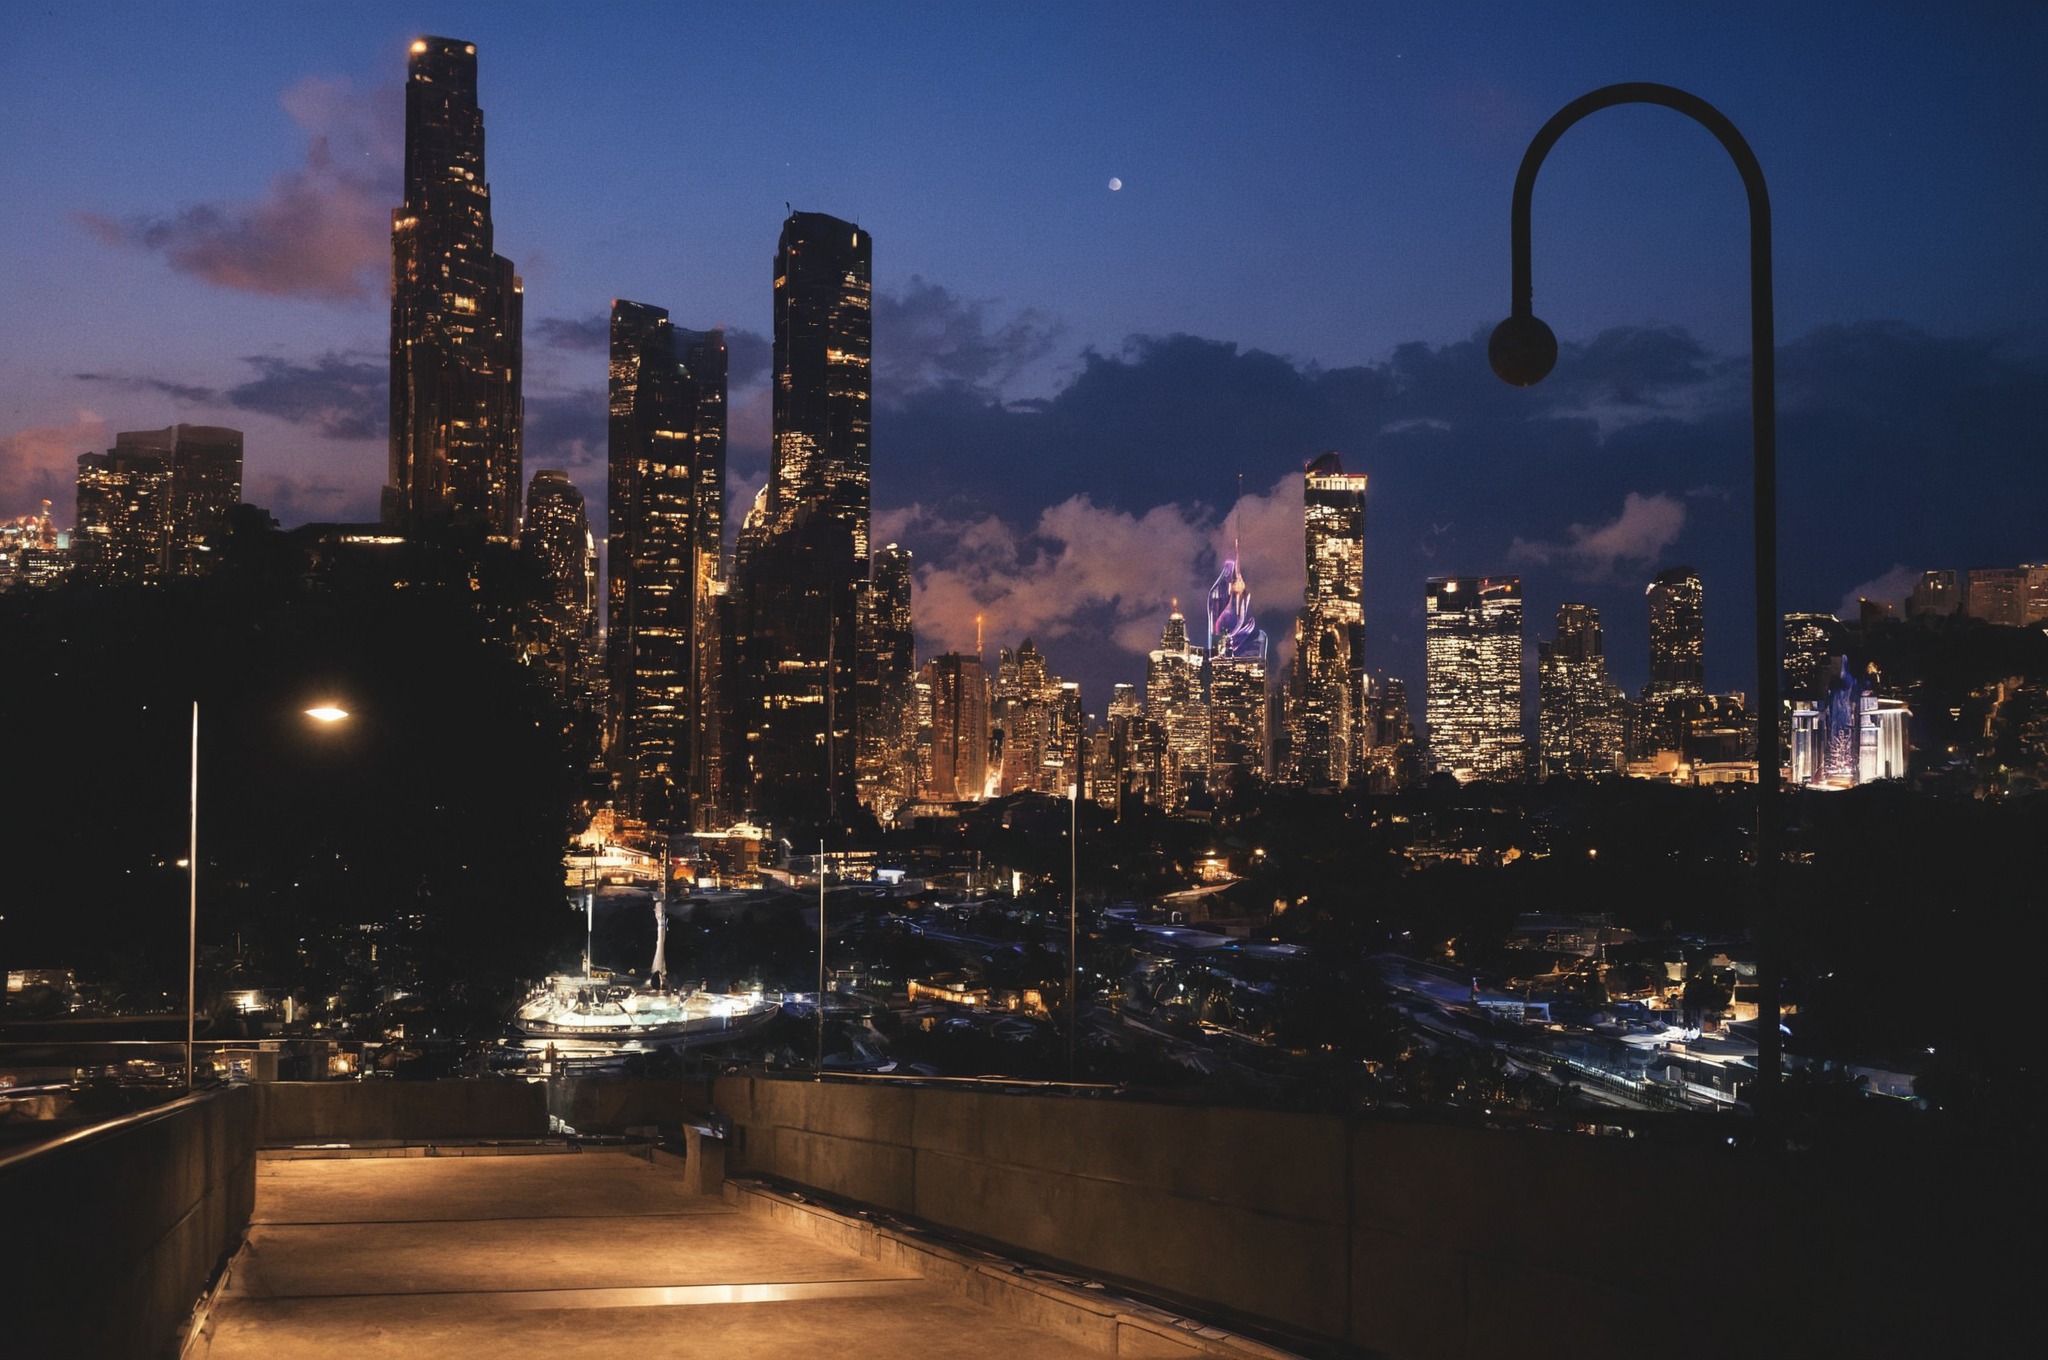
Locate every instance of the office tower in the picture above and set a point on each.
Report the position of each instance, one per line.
(556, 531)
(1390, 759)
(1579, 730)
(884, 669)
(1472, 642)
(2034, 608)
(1020, 719)
(1130, 754)
(802, 551)
(1810, 641)
(1239, 745)
(206, 486)
(1677, 660)
(959, 691)
(122, 534)
(1329, 650)
(665, 480)
(1174, 704)
(1936, 596)
(456, 316)
(1064, 768)
(1997, 595)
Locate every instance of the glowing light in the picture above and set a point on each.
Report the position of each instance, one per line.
(418, 48)
(327, 713)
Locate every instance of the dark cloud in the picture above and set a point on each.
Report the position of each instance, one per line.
(747, 357)
(175, 391)
(1895, 447)
(337, 396)
(927, 336)
(321, 231)
(577, 335)
(566, 430)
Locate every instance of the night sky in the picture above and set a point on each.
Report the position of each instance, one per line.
(1308, 247)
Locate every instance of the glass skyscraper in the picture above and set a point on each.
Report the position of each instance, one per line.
(1472, 639)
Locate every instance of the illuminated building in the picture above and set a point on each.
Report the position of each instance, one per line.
(1578, 723)
(802, 552)
(1997, 595)
(1936, 596)
(2035, 608)
(1239, 743)
(1810, 642)
(664, 516)
(1850, 736)
(1175, 706)
(1472, 642)
(1677, 659)
(206, 486)
(32, 552)
(122, 532)
(959, 690)
(1389, 741)
(884, 671)
(556, 531)
(1329, 635)
(456, 316)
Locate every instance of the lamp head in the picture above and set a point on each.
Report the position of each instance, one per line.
(1522, 350)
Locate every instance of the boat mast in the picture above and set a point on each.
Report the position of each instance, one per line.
(660, 968)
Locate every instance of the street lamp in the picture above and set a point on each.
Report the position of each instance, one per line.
(1073, 919)
(1523, 350)
(328, 714)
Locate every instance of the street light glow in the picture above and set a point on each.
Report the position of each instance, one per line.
(327, 713)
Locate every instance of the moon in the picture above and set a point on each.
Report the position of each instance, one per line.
(1115, 184)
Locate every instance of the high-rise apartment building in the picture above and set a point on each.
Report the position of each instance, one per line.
(959, 690)
(556, 531)
(206, 486)
(456, 316)
(1677, 659)
(1175, 704)
(1578, 719)
(1810, 642)
(1997, 595)
(1472, 640)
(884, 671)
(122, 533)
(1329, 650)
(665, 480)
(802, 553)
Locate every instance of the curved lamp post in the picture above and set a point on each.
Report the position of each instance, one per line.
(1523, 351)
(324, 713)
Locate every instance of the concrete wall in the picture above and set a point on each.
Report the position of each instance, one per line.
(612, 1105)
(1418, 1240)
(113, 1236)
(297, 1112)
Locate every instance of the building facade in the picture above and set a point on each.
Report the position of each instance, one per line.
(206, 486)
(1329, 635)
(1472, 640)
(884, 675)
(456, 316)
(556, 532)
(959, 699)
(1578, 716)
(122, 532)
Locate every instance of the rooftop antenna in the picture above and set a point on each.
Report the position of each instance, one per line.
(977, 637)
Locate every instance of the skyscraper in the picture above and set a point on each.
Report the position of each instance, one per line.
(1329, 650)
(556, 531)
(665, 482)
(1677, 659)
(802, 552)
(456, 316)
(1578, 722)
(885, 669)
(959, 689)
(123, 527)
(1175, 705)
(206, 485)
(1472, 640)
(1810, 642)
(1239, 742)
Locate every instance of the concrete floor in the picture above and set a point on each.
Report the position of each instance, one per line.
(596, 1254)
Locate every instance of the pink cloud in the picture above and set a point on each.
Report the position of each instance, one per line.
(41, 463)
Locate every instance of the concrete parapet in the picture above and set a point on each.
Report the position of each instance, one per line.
(399, 1111)
(116, 1230)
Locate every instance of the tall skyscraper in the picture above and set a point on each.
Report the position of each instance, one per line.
(885, 669)
(665, 482)
(1175, 704)
(1677, 660)
(1329, 635)
(1936, 596)
(1239, 740)
(1810, 642)
(959, 690)
(802, 553)
(206, 486)
(1472, 640)
(1578, 719)
(556, 531)
(456, 316)
(123, 527)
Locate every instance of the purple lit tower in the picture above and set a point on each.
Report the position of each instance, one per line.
(1239, 742)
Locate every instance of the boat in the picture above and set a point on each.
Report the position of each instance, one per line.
(597, 1010)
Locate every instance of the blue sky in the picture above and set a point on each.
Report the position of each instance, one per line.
(1314, 197)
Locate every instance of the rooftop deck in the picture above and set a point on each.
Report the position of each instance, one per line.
(567, 1254)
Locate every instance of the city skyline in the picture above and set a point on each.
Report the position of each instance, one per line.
(1075, 516)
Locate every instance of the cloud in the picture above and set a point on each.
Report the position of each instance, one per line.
(578, 335)
(321, 231)
(927, 336)
(41, 463)
(1646, 526)
(185, 392)
(566, 430)
(338, 396)
(1892, 588)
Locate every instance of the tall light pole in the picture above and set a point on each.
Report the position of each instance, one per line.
(324, 713)
(1073, 919)
(1523, 351)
